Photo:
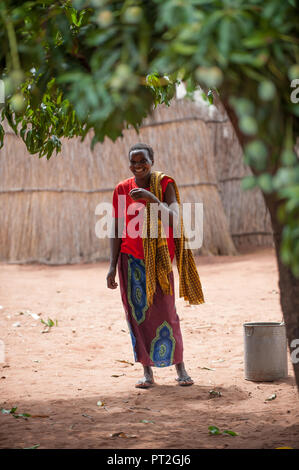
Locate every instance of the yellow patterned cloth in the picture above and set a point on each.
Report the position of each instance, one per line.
(156, 254)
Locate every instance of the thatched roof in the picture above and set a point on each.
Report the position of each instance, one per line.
(48, 207)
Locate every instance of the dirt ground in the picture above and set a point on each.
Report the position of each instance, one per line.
(60, 376)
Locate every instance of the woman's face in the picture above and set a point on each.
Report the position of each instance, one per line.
(140, 163)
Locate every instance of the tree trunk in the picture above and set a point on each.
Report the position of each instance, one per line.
(288, 284)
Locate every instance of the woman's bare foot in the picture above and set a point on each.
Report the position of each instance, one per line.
(183, 378)
(147, 380)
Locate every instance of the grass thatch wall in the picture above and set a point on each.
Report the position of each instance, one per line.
(47, 208)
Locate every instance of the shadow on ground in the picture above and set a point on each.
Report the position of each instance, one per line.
(176, 417)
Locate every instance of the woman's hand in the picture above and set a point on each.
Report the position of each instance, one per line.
(140, 193)
(111, 284)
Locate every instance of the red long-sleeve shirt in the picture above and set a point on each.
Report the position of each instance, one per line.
(130, 244)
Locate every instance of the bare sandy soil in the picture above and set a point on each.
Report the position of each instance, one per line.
(59, 377)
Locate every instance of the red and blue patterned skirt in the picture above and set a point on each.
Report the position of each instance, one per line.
(155, 331)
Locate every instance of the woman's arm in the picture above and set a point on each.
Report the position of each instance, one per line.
(115, 244)
(170, 199)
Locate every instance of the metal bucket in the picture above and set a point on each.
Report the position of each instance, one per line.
(265, 351)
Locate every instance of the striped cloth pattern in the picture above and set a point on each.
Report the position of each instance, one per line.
(156, 254)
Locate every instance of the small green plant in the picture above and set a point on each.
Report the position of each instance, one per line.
(48, 324)
(214, 430)
(13, 410)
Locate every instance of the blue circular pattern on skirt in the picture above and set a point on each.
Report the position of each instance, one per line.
(163, 346)
(137, 288)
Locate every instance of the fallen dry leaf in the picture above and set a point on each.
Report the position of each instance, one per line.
(271, 397)
(124, 361)
(87, 416)
(140, 408)
(40, 416)
(101, 404)
(123, 435)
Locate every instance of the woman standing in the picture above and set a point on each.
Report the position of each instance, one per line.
(145, 266)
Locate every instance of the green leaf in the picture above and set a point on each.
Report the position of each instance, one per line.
(265, 182)
(183, 48)
(243, 58)
(225, 36)
(33, 447)
(248, 182)
(248, 125)
(288, 157)
(285, 177)
(230, 433)
(133, 15)
(256, 154)
(258, 39)
(266, 90)
(214, 430)
(290, 192)
(293, 72)
(210, 96)
(242, 106)
(210, 76)
(49, 323)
